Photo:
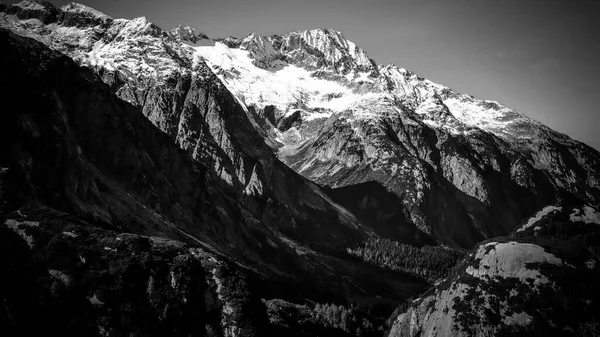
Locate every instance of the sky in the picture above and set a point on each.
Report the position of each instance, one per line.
(539, 57)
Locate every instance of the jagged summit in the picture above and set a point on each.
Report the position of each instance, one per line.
(316, 49)
(187, 34)
(336, 51)
(260, 49)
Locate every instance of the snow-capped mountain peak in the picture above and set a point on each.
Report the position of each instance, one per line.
(317, 49)
(325, 48)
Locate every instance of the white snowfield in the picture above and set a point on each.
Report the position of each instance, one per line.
(510, 260)
(286, 86)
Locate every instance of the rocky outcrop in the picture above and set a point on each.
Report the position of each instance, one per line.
(538, 281)
(260, 50)
(323, 48)
(187, 34)
(83, 16)
(40, 10)
(311, 49)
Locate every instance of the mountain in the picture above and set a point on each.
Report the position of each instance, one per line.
(339, 119)
(462, 169)
(251, 182)
(176, 186)
(128, 234)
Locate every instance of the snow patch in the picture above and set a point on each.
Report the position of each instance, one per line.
(487, 115)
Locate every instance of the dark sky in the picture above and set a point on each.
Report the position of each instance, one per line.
(538, 56)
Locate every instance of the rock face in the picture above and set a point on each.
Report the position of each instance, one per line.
(187, 34)
(540, 281)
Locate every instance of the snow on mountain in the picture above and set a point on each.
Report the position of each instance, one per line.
(334, 111)
(288, 88)
(326, 54)
(336, 117)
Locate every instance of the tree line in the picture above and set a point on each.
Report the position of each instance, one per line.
(431, 263)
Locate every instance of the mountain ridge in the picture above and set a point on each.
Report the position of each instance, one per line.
(387, 119)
